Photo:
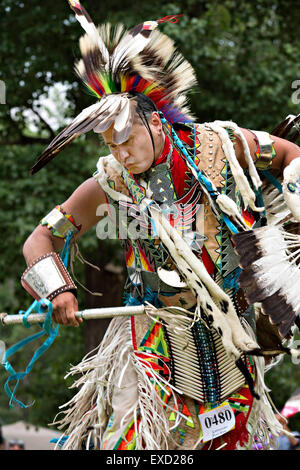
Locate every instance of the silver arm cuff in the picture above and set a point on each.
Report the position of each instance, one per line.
(265, 151)
(59, 223)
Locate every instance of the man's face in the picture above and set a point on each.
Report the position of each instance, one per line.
(137, 154)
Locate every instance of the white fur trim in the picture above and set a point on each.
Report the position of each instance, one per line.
(237, 171)
(291, 175)
(101, 177)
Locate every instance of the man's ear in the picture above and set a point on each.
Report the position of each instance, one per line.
(155, 121)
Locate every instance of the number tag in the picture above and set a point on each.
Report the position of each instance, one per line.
(217, 422)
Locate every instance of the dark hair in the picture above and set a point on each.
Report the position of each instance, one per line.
(145, 108)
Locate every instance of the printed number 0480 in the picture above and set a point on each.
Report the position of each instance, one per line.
(218, 418)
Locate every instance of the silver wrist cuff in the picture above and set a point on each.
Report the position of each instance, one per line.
(47, 277)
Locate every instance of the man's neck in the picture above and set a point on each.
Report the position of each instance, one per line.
(160, 147)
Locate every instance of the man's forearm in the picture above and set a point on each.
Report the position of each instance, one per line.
(47, 277)
(290, 156)
(40, 243)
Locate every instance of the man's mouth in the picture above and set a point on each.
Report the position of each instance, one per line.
(128, 165)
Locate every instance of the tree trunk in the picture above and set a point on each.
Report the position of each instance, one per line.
(109, 281)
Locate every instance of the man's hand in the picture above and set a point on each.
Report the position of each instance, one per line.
(64, 307)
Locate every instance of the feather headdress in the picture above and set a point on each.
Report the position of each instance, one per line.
(116, 65)
(289, 128)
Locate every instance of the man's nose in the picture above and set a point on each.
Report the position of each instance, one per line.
(123, 153)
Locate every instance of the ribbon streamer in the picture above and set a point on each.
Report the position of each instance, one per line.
(42, 306)
(46, 329)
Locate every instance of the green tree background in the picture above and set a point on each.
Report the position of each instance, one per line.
(246, 58)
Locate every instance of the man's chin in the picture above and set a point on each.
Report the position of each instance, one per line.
(135, 170)
(138, 170)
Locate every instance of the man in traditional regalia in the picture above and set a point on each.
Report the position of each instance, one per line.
(207, 215)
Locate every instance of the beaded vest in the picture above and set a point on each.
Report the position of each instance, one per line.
(197, 361)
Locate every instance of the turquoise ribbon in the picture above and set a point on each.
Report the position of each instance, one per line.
(229, 224)
(272, 180)
(66, 249)
(59, 440)
(41, 306)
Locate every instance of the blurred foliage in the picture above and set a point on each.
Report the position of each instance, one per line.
(246, 58)
(24, 201)
(283, 379)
